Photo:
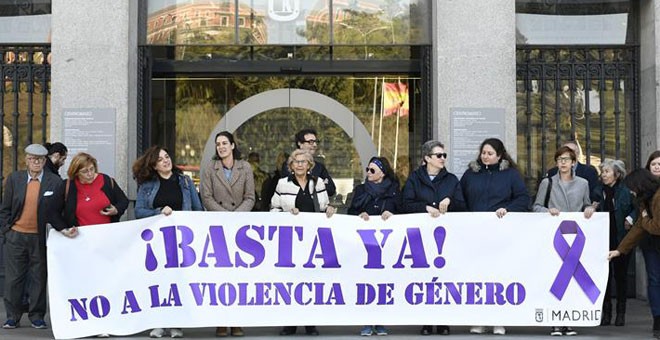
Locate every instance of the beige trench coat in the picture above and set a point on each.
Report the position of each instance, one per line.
(237, 194)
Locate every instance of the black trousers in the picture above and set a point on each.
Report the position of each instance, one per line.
(618, 272)
(22, 255)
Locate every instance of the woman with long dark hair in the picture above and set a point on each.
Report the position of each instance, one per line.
(227, 185)
(162, 188)
(492, 182)
(644, 186)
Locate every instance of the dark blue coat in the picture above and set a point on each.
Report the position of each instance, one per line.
(420, 191)
(389, 201)
(490, 187)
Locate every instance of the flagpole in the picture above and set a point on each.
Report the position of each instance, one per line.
(382, 108)
(373, 111)
(398, 115)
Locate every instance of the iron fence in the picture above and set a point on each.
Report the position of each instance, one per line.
(25, 101)
(583, 93)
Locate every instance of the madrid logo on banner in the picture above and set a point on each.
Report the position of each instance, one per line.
(191, 269)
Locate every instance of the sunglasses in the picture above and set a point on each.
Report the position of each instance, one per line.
(371, 170)
(439, 155)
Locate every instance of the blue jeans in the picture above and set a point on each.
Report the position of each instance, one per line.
(652, 259)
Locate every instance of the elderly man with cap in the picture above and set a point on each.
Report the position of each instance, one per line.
(32, 198)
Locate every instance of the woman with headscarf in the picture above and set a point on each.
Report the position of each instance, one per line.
(378, 196)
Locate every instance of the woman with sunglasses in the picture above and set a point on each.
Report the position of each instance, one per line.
(432, 189)
(492, 183)
(378, 196)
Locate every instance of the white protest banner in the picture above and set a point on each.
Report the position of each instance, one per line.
(202, 269)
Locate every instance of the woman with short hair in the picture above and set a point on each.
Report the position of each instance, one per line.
(617, 201)
(434, 190)
(301, 192)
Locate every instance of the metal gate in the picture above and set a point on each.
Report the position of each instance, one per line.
(588, 94)
(24, 95)
(24, 107)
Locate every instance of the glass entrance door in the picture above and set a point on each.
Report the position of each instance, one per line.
(356, 118)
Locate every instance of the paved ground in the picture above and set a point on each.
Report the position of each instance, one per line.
(638, 326)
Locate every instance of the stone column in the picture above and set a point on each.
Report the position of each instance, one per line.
(474, 46)
(94, 65)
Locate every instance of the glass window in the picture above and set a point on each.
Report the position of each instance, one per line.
(25, 21)
(540, 22)
(184, 124)
(300, 22)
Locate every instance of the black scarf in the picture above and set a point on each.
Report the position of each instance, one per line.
(374, 192)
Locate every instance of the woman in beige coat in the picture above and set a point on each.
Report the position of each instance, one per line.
(227, 185)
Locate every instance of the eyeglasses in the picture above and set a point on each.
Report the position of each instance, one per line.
(299, 161)
(35, 159)
(89, 170)
(439, 155)
(312, 141)
(371, 170)
(564, 159)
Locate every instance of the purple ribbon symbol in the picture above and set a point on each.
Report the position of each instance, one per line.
(571, 267)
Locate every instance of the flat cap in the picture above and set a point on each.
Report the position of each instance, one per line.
(36, 149)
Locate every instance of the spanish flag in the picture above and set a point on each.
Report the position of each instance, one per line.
(395, 99)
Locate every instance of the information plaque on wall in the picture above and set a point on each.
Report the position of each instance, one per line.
(468, 128)
(91, 131)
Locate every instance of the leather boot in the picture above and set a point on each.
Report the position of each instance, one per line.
(606, 317)
(620, 312)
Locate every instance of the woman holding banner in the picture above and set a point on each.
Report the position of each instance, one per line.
(162, 188)
(227, 185)
(301, 192)
(432, 189)
(616, 200)
(91, 197)
(492, 183)
(378, 196)
(644, 186)
(564, 192)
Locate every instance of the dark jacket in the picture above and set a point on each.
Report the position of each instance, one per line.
(111, 190)
(420, 191)
(51, 167)
(623, 207)
(490, 187)
(364, 202)
(589, 173)
(51, 197)
(319, 171)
